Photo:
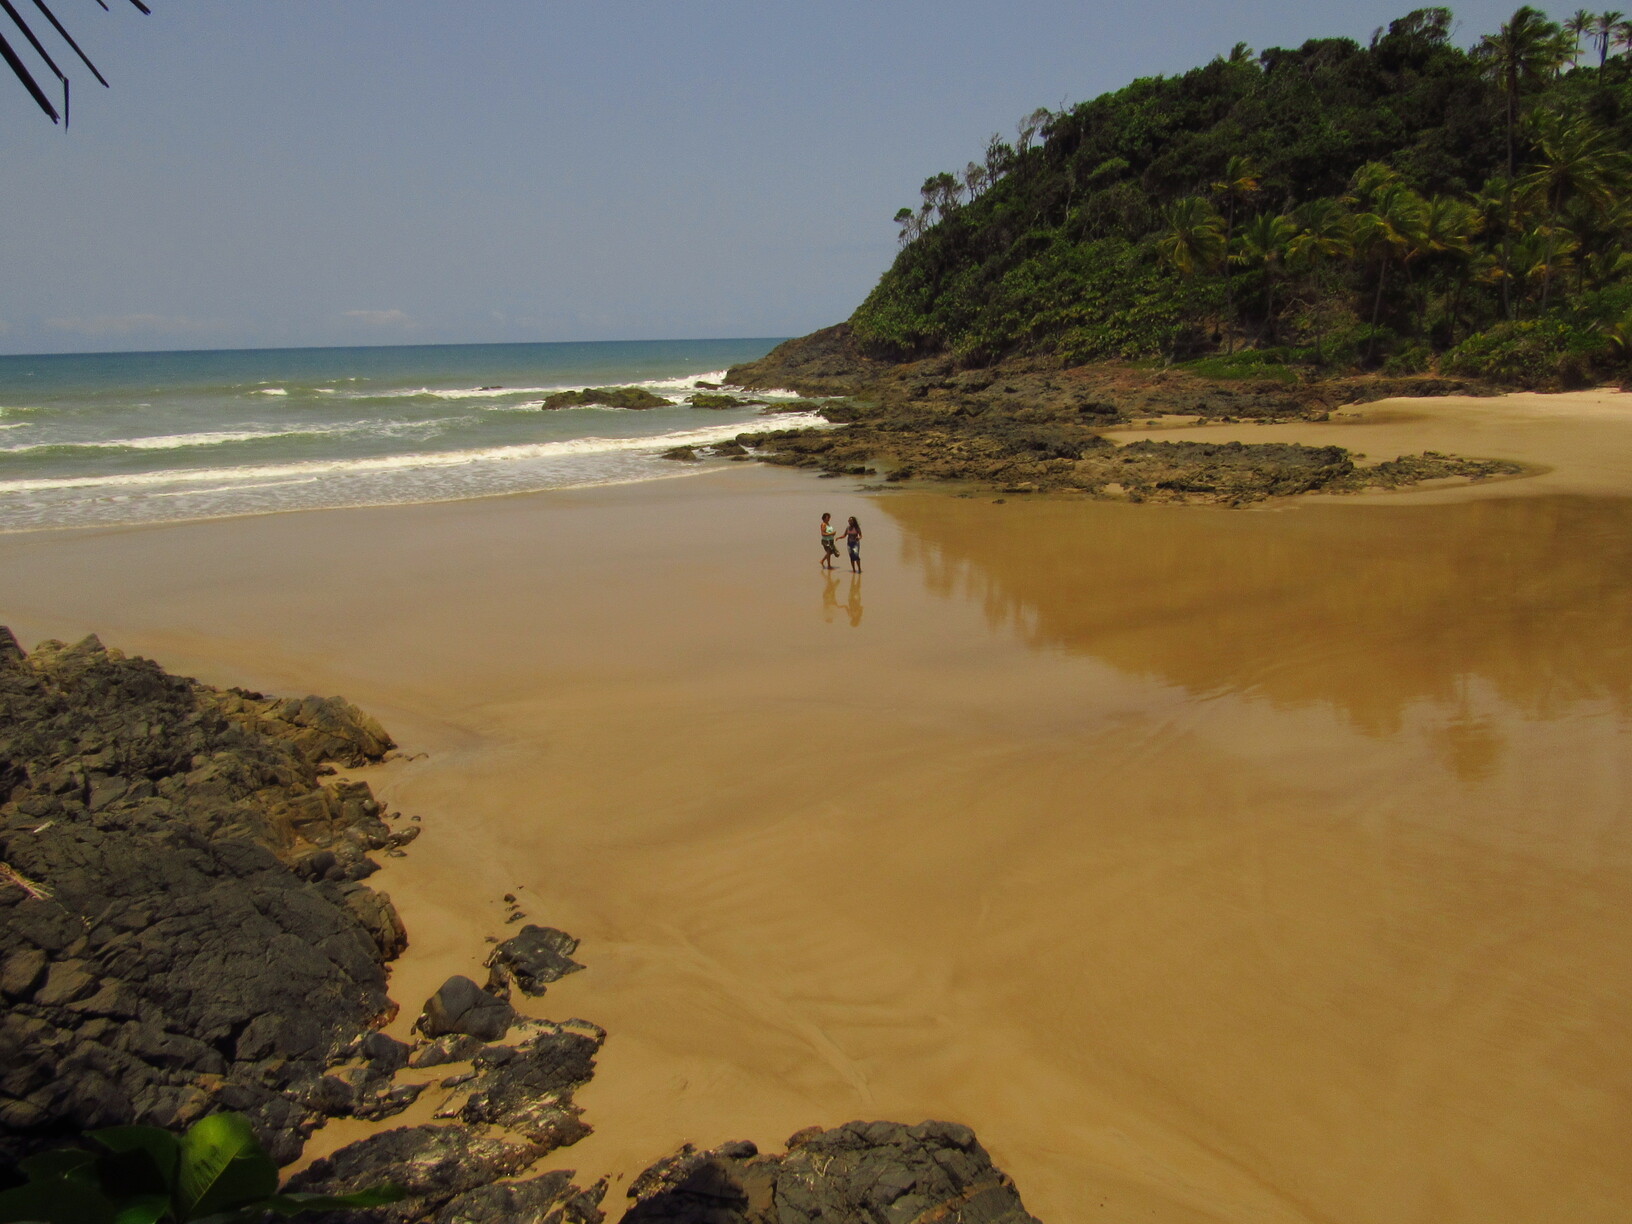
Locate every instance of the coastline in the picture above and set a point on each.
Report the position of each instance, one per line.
(1166, 847)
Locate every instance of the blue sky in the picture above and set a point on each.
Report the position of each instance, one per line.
(322, 172)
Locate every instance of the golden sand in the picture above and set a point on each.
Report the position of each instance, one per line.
(1214, 865)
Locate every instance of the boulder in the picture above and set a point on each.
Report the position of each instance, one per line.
(461, 1006)
(705, 399)
(531, 960)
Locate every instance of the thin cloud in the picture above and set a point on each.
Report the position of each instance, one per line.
(381, 318)
(124, 325)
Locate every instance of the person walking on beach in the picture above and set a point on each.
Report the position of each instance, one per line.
(852, 540)
(830, 547)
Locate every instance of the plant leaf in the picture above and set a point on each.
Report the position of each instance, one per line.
(57, 1165)
(146, 1159)
(55, 1202)
(160, 1146)
(145, 1209)
(222, 1167)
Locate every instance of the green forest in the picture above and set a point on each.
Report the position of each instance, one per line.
(1408, 206)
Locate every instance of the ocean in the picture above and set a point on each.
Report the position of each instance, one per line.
(111, 438)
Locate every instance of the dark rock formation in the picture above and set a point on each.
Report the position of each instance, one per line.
(880, 1172)
(182, 923)
(606, 397)
(451, 1172)
(451, 1176)
(527, 1089)
(684, 454)
(460, 1006)
(531, 960)
(1028, 424)
(703, 400)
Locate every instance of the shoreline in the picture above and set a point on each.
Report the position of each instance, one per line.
(1397, 425)
(1145, 842)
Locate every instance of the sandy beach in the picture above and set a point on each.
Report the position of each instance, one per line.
(1267, 865)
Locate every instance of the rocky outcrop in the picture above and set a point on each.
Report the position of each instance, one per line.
(174, 876)
(531, 960)
(605, 397)
(1028, 424)
(452, 1172)
(703, 400)
(881, 1172)
(527, 1089)
(450, 1175)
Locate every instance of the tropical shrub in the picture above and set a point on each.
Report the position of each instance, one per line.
(215, 1173)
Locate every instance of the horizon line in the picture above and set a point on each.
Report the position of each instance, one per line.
(302, 348)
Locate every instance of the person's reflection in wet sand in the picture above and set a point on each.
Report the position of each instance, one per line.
(830, 595)
(852, 602)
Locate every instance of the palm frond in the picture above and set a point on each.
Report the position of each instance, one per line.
(26, 76)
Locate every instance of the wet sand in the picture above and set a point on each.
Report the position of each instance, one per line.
(1215, 866)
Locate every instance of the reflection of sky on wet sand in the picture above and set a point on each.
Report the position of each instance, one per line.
(1369, 609)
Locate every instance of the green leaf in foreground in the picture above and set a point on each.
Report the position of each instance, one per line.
(217, 1173)
(222, 1167)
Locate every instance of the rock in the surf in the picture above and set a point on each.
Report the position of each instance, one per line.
(605, 397)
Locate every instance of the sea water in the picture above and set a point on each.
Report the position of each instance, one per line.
(108, 438)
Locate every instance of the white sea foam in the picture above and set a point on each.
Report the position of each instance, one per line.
(461, 393)
(168, 442)
(272, 391)
(234, 477)
(670, 387)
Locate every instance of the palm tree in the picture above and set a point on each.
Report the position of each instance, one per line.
(1525, 50)
(1449, 226)
(1390, 228)
(1192, 243)
(1577, 162)
(20, 69)
(1239, 184)
(1264, 243)
(1324, 234)
(1604, 32)
(1577, 27)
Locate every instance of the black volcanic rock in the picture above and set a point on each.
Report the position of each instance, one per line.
(531, 960)
(451, 1176)
(880, 1172)
(182, 928)
(527, 1089)
(461, 1007)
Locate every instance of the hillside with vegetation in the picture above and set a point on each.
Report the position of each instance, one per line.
(1405, 206)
